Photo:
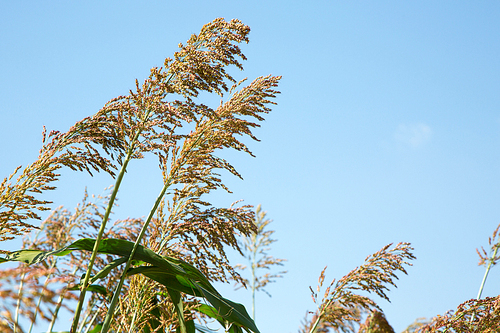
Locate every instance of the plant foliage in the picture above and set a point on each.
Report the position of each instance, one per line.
(156, 274)
(153, 276)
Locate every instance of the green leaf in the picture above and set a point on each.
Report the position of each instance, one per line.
(33, 256)
(229, 310)
(173, 273)
(190, 326)
(95, 288)
(96, 329)
(171, 281)
(107, 269)
(176, 298)
(212, 313)
(101, 274)
(209, 311)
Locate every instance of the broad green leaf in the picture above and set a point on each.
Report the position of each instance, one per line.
(229, 310)
(212, 313)
(171, 281)
(96, 329)
(176, 298)
(107, 269)
(97, 289)
(118, 247)
(209, 311)
(34, 256)
(173, 273)
(102, 273)
(190, 326)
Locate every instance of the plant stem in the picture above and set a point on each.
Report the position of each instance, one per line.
(84, 286)
(56, 312)
(18, 305)
(487, 272)
(116, 295)
(89, 326)
(166, 185)
(37, 308)
(103, 225)
(320, 316)
(58, 306)
(491, 262)
(254, 267)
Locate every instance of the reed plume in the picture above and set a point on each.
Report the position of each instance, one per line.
(474, 315)
(255, 248)
(188, 235)
(341, 307)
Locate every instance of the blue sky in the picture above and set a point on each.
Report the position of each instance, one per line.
(387, 128)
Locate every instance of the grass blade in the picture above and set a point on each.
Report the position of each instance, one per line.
(175, 274)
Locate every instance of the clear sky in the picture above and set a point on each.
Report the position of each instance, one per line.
(387, 128)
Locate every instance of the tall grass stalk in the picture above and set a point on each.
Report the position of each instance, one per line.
(341, 306)
(37, 308)
(254, 268)
(58, 306)
(166, 185)
(18, 303)
(320, 316)
(112, 198)
(94, 318)
(257, 246)
(491, 263)
(116, 294)
(127, 128)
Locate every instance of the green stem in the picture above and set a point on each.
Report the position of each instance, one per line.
(18, 305)
(83, 289)
(123, 169)
(487, 272)
(56, 312)
(89, 326)
(37, 308)
(116, 295)
(137, 309)
(58, 306)
(254, 264)
(166, 185)
(491, 262)
(320, 316)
